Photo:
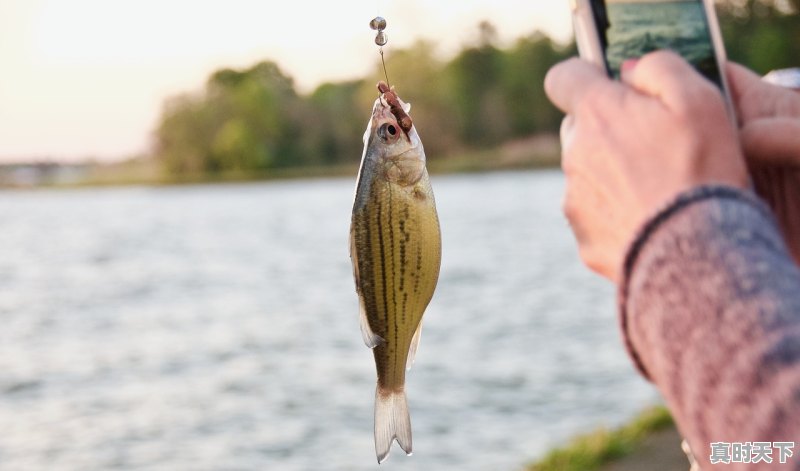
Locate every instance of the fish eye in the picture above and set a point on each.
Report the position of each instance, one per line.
(387, 132)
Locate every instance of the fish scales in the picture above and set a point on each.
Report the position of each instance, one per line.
(398, 278)
(396, 252)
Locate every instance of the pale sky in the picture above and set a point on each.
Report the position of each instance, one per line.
(86, 78)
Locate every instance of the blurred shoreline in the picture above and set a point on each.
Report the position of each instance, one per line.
(536, 151)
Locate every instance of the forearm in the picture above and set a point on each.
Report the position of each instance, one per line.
(710, 311)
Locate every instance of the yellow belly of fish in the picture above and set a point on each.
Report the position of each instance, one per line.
(398, 243)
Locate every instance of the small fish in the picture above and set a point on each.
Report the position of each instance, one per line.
(396, 250)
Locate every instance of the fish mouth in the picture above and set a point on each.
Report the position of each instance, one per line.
(392, 109)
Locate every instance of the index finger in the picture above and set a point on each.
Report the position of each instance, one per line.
(755, 98)
(568, 81)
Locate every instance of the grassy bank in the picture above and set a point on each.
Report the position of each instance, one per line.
(601, 447)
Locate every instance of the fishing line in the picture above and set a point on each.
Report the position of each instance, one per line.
(379, 24)
(385, 74)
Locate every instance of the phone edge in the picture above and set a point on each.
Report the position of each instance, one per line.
(587, 40)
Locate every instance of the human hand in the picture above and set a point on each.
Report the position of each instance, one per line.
(769, 120)
(629, 148)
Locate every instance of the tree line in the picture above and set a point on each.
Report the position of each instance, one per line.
(254, 120)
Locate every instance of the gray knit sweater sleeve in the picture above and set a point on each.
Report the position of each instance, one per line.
(710, 312)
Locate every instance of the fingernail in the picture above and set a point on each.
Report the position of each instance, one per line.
(628, 65)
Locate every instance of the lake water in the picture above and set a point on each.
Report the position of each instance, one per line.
(216, 328)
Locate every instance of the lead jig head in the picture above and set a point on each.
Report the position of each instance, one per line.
(378, 23)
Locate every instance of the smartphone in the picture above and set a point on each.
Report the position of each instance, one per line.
(610, 31)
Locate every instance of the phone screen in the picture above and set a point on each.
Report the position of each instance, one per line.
(632, 28)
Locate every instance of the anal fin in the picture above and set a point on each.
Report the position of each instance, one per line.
(412, 349)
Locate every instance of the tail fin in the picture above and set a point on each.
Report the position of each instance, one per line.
(392, 421)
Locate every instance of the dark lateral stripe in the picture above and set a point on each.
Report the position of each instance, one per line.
(391, 269)
(382, 266)
(418, 268)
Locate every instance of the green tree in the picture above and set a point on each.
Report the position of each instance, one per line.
(183, 135)
(236, 147)
(762, 34)
(246, 120)
(527, 63)
(332, 134)
(474, 78)
(269, 112)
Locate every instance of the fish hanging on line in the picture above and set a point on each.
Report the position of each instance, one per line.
(395, 247)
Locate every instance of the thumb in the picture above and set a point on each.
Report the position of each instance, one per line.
(743, 84)
(754, 98)
(772, 141)
(667, 76)
(568, 82)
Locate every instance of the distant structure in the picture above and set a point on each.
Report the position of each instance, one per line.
(29, 175)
